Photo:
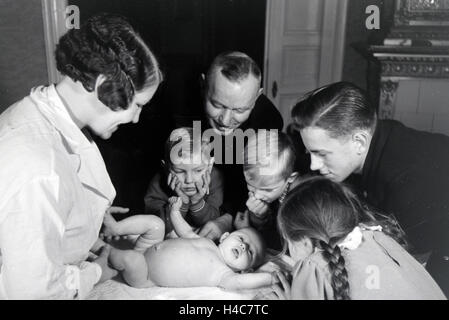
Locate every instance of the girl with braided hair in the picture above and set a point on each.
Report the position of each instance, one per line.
(55, 188)
(345, 251)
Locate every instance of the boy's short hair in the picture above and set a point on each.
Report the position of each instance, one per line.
(274, 152)
(184, 139)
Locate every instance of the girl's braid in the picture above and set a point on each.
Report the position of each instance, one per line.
(339, 275)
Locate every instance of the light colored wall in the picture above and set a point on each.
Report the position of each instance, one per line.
(424, 104)
(22, 49)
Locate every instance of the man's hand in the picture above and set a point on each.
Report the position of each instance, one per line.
(258, 207)
(242, 220)
(215, 228)
(102, 260)
(174, 184)
(202, 188)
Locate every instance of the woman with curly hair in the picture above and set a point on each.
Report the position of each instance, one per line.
(343, 250)
(54, 188)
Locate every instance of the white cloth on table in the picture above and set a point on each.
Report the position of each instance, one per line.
(54, 192)
(117, 290)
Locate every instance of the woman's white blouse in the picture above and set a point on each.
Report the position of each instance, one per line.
(54, 191)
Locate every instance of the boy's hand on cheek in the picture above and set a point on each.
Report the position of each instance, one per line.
(257, 207)
(175, 185)
(202, 188)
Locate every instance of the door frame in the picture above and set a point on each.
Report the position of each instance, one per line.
(53, 13)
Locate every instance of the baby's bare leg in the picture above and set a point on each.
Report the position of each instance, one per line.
(154, 234)
(150, 229)
(133, 267)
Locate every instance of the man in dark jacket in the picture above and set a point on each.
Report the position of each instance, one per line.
(402, 171)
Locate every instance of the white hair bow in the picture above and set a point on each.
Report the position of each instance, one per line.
(355, 237)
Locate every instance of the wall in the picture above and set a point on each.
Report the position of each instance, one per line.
(358, 65)
(22, 59)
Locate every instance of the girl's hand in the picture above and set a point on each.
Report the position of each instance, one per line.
(279, 291)
(175, 185)
(202, 188)
(258, 207)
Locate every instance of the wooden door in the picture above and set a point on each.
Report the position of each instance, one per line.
(303, 48)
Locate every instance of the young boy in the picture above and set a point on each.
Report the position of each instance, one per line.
(189, 174)
(187, 261)
(269, 169)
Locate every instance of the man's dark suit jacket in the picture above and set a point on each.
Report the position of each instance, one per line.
(406, 173)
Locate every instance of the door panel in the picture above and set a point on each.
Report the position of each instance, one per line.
(303, 48)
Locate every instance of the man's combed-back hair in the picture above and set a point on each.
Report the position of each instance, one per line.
(234, 66)
(326, 212)
(107, 45)
(339, 108)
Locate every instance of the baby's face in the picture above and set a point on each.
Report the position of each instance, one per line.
(242, 249)
(267, 189)
(189, 174)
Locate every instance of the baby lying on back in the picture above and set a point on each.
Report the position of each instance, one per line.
(187, 261)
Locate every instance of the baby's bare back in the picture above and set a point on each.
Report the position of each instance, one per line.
(185, 263)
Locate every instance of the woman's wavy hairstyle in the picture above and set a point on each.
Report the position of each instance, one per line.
(339, 108)
(326, 212)
(107, 44)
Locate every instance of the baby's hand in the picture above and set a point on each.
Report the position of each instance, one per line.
(174, 203)
(275, 277)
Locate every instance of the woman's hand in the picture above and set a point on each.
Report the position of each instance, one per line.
(106, 271)
(175, 185)
(109, 231)
(202, 188)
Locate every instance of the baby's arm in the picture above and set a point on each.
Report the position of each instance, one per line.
(182, 228)
(242, 281)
